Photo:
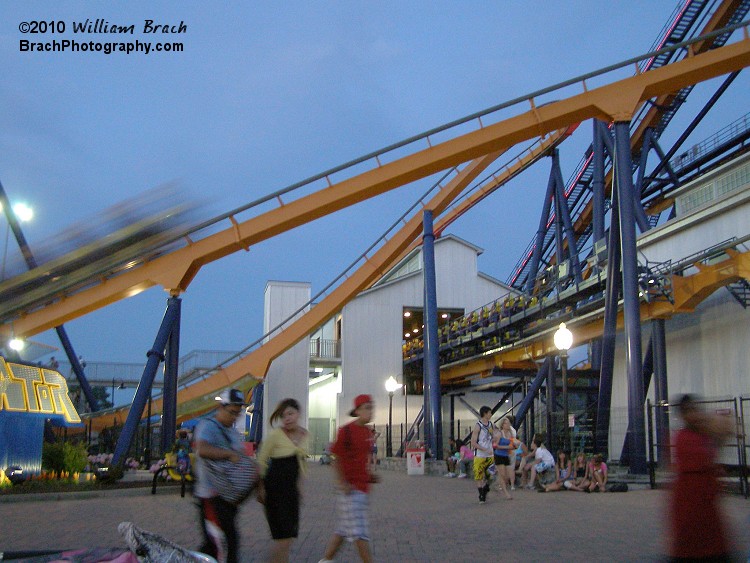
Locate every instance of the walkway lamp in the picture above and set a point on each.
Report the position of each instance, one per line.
(563, 342)
(391, 385)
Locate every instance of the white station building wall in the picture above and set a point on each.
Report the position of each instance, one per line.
(288, 374)
(373, 324)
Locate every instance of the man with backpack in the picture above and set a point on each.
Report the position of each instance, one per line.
(481, 443)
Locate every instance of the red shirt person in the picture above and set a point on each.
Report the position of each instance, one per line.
(698, 529)
(352, 468)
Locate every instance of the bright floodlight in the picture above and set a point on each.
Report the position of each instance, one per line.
(392, 385)
(23, 212)
(16, 344)
(563, 338)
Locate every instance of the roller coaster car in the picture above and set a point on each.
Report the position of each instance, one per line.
(116, 248)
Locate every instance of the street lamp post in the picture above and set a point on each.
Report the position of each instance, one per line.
(391, 385)
(563, 342)
(121, 386)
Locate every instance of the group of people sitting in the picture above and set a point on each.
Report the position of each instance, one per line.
(584, 474)
(534, 465)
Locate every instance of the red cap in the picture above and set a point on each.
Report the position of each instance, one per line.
(360, 400)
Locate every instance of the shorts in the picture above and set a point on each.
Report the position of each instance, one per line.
(543, 466)
(502, 460)
(481, 465)
(352, 511)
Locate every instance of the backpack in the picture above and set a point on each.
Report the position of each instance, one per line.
(618, 488)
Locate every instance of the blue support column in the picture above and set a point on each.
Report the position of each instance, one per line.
(256, 426)
(661, 389)
(155, 357)
(597, 183)
(431, 344)
(648, 370)
(631, 307)
(171, 367)
(528, 401)
(640, 215)
(537, 252)
(597, 198)
(551, 404)
(607, 364)
(62, 334)
(565, 216)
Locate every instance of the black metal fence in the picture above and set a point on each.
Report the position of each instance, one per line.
(732, 453)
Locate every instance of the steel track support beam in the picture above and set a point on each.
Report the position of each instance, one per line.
(631, 307)
(171, 366)
(256, 426)
(541, 230)
(567, 222)
(611, 299)
(661, 389)
(433, 404)
(527, 402)
(155, 357)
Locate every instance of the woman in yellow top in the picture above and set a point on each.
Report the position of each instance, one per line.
(281, 460)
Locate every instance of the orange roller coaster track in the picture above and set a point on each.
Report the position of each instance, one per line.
(616, 101)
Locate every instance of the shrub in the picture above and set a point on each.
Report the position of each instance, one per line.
(64, 457)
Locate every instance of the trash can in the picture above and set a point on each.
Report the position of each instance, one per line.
(415, 461)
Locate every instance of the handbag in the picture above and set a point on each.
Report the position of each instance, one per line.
(234, 482)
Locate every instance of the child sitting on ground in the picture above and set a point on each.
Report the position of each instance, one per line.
(465, 464)
(598, 474)
(543, 460)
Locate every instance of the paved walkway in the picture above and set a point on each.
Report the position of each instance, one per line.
(413, 519)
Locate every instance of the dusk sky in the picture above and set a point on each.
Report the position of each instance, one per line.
(267, 94)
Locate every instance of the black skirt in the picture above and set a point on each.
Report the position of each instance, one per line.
(282, 497)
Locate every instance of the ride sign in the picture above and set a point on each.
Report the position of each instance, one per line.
(35, 390)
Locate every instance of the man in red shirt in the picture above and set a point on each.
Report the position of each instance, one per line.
(352, 470)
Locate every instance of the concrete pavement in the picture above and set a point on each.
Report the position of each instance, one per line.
(426, 518)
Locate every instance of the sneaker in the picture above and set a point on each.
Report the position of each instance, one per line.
(529, 487)
(449, 475)
(326, 561)
(462, 476)
(512, 487)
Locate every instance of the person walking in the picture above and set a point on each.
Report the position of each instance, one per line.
(481, 443)
(503, 444)
(352, 470)
(215, 439)
(281, 460)
(698, 528)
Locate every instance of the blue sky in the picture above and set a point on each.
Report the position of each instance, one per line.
(266, 94)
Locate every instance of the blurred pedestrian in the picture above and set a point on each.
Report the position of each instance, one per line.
(216, 439)
(698, 528)
(282, 464)
(352, 451)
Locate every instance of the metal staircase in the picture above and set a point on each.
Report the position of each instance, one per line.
(740, 290)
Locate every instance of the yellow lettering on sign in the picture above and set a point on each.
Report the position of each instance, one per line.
(31, 389)
(60, 399)
(11, 391)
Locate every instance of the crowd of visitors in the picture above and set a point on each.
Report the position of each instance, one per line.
(493, 455)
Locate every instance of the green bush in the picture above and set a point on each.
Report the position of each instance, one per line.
(64, 456)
